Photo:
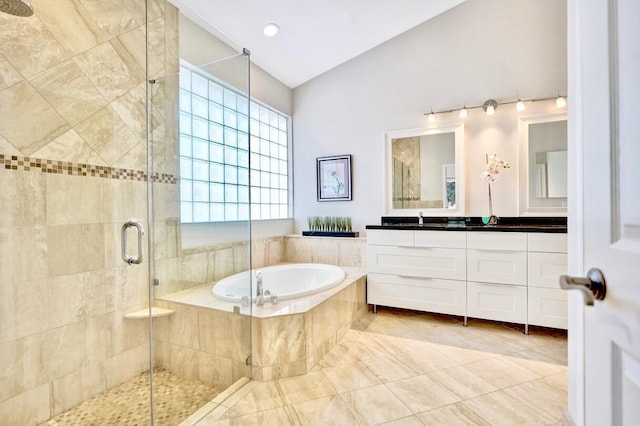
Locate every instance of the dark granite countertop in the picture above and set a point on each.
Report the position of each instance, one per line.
(505, 224)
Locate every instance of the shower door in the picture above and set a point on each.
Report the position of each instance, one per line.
(199, 167)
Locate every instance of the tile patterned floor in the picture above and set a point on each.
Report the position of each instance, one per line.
(409, 368)
(175, 399)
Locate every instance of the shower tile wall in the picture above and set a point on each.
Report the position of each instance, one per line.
(72, 91)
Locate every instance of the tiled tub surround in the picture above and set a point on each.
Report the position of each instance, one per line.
(287, 338)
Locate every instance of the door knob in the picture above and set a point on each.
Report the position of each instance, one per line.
(593, 286)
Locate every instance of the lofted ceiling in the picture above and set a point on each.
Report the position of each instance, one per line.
(315, 35)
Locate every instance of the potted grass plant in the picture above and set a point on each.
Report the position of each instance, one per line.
(329, 226)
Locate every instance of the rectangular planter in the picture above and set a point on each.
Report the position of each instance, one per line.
(329, 234)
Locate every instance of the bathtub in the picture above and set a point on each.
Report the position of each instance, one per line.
(286, 281)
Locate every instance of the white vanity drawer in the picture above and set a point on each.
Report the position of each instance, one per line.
(497, 266)
(545, 269)
(550, 243)
(432, 295)
(417, 261)
(391, 237)
(442, 239)
(516, 241)
(547, 307)
(497, 302)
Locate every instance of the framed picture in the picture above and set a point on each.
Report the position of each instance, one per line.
(334, 178)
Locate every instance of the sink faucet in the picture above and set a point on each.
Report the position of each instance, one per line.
(259, 289)
(420, 219)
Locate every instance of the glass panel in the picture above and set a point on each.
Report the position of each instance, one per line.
(216, 112)
(186, 230)
(199, 107)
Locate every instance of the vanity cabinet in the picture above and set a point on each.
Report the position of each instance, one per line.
(421, 270)
(547, 260)
(497, 276)
(502, 276)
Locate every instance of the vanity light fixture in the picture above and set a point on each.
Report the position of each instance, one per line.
(491, 105)
(271, 29)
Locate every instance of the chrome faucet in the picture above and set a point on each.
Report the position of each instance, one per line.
(259, 289)
(420, 219)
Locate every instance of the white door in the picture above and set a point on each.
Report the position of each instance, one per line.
(604, 75)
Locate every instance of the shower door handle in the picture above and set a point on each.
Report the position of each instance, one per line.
(131, 260)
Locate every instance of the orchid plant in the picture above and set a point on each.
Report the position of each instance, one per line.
(492, 172)
(490, 175)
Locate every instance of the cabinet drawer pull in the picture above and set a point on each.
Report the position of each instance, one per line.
(416, 277)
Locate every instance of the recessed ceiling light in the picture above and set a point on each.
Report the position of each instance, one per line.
(271, 29)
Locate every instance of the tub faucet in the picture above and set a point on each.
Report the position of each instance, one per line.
(259, 289)
(420, 219)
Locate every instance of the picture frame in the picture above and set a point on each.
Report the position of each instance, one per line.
(334, 178)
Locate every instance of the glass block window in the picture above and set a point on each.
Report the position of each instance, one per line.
(233, 152)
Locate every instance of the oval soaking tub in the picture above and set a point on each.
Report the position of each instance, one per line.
(286, 281)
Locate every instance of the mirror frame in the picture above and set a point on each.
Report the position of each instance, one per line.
(458, 130)
(523, 176)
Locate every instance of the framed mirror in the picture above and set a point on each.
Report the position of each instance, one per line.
(543, 165)
(425, 172)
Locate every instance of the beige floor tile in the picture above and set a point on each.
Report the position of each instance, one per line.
(388, 369)
(352, 376)
(451, 415)
(367, 349)
(395, 345)
(539, 368)
(541, 396)
(499, 408)
(374, 405)
(492, 344)
(265, 396)
(338, 355)
(281, 416)
(217, 417)
(462, 355)
(405, 421)
(559, 381)
(422, 393)
(462, 382)
(425, 360)
(304, 388)
(555, 353)
(353, 336)
(324, 411)
(500, 372)
(445, 334)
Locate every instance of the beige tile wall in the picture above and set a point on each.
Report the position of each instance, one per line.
(72, 89)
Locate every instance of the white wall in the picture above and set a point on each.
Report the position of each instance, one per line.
(481, 49)
(198, 46)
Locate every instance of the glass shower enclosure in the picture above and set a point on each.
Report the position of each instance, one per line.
(106, 313)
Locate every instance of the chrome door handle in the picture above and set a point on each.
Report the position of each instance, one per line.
(131, 260)
(593, 286)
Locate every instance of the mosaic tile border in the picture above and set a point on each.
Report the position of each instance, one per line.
(27, 164)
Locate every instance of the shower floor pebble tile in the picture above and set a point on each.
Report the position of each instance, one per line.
(420, 369)
(175, 399)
